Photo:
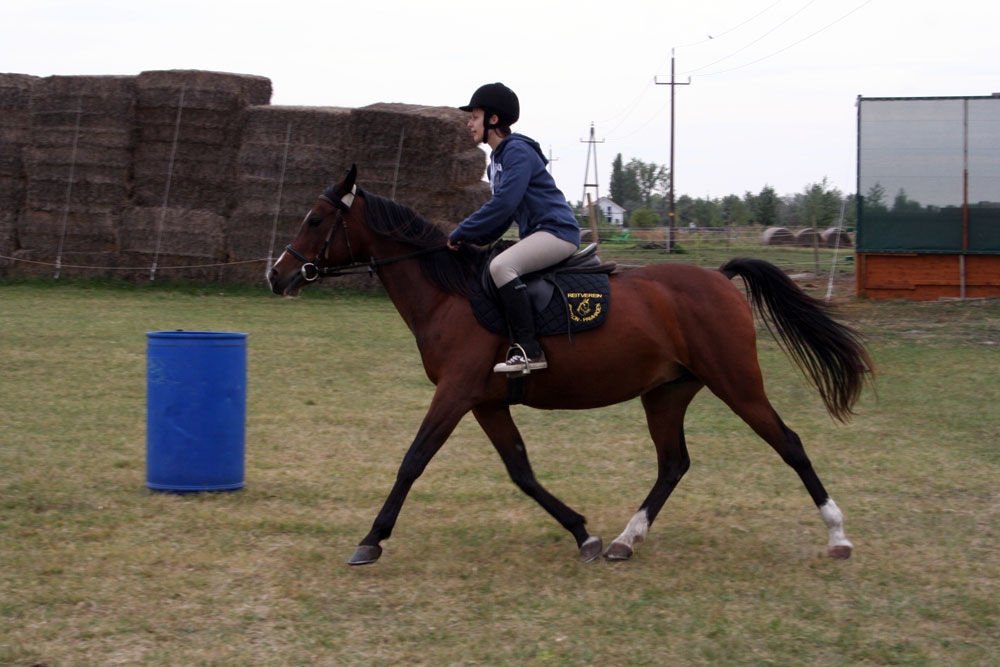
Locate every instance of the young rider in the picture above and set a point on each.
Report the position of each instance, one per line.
(523, 192)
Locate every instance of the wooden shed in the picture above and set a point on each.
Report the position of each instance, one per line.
(928, 197)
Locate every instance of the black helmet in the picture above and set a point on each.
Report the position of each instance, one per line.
(496, 98)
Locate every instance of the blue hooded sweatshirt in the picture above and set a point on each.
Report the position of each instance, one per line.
(523, 192)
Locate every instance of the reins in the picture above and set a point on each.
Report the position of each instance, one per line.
(357, 268)
(311, 272)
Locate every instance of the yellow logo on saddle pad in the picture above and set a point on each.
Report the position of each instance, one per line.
(581, 309)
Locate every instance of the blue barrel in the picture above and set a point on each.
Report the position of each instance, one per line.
(196, 390)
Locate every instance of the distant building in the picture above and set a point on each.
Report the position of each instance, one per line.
(610, 212)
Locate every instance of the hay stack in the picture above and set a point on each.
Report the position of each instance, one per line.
(77, 167)
(109, 142)
(190, 242)
(436, 156)
(15, 135)
(315, 157)
(806, 238)
(775, 236)
(439, 168)
(836, 237)
(202, 109)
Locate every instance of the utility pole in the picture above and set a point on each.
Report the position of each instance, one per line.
(586, 201)
(670, 201)
(551, 159)
(591, 149)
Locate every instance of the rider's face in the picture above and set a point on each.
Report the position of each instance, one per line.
(475, 124)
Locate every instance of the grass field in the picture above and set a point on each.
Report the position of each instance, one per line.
(96, 570)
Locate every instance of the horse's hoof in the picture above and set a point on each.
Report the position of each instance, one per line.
(591, 549)
(365, 554)
(618, 551)
(839, 552)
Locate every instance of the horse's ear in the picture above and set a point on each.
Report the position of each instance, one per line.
(352, 175)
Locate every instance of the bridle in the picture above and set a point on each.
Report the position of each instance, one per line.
(311, 272)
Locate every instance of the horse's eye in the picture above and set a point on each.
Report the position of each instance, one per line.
(314, 220)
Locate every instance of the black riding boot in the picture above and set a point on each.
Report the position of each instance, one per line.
(526, 354)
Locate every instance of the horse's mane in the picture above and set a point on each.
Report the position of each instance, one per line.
(449, 271)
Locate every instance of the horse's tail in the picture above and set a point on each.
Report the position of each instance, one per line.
(832, 355)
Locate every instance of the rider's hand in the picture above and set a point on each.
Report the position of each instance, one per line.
(453, 245)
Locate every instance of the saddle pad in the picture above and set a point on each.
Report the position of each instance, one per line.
(579, 302)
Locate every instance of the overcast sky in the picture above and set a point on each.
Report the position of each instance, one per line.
(771, 100)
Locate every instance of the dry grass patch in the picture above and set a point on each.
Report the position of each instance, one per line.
(94, 569)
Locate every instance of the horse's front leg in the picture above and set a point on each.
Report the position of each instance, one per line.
(665, 407)
(441, 419)
(496, 421)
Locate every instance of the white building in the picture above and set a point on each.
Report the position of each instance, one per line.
(612, 213)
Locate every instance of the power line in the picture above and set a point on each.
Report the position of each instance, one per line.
(629, 109)
(747, 46)
(783, 49)
(724, 32)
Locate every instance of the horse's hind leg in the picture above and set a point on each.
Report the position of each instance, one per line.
(498, 425)
(665, 407)
(793, 453)
(743, 391)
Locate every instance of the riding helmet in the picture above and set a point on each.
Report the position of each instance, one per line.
(496, 98)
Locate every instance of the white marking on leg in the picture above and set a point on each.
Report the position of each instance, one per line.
(834, 520)
(636, 530)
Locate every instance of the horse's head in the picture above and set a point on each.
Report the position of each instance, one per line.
(323, 242)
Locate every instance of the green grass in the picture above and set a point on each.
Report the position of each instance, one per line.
(96, 570)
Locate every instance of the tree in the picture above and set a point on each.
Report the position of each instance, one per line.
(875, 199)
(903, 204)
(624, 185)
(766, 207)
(684, 210)
(637, 184)
(820, 205)
(643, 218)
(618, 180)
(705, 213)
(850, 211)
(651, 178)
(734, 211)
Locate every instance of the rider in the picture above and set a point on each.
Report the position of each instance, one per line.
(523, 192)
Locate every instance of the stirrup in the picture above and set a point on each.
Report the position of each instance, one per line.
(519, 362)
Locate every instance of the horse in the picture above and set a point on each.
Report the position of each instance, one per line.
(672, 329)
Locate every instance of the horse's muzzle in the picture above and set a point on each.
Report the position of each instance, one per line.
(288, 287)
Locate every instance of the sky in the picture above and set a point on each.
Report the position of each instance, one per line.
(769, 94)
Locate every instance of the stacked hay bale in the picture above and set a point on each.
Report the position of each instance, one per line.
(836, 237)
(420, 156)
(77, 173)
(15, 135)
(190, 172)
(188, 126)
(287, 157)
(775, 236)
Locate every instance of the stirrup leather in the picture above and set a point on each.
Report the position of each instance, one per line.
(519, 362)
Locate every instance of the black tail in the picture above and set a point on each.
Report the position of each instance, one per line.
(832, 355)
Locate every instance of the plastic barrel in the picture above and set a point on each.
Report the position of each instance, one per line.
(196, 388)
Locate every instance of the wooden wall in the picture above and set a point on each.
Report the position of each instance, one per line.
(926, 277)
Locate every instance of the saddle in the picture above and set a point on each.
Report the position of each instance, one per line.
(569, 297)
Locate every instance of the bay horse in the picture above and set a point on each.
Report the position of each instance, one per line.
(672, 329)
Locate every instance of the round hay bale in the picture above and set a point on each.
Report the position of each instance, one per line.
(835, 237)
(777, 236)
(807, 237)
